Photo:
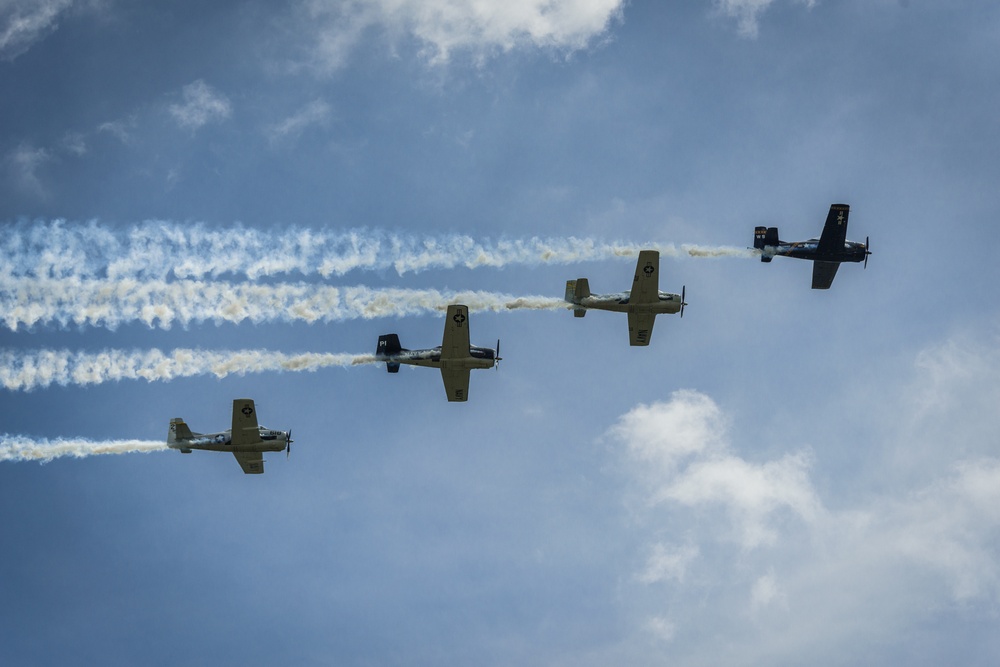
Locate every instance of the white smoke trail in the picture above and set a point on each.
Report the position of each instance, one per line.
(25, 371)
(110, 303)
(21, 448)
(156, 250)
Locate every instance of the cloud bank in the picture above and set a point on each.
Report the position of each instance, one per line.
(757, 550)
(443, 28)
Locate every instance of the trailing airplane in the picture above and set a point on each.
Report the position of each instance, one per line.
(827, 252)
(642, 303)
(456, 357)
(246, 440)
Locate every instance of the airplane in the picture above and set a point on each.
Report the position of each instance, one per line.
(456, 357)
(246, 440)
(827, 252)
(642, 303)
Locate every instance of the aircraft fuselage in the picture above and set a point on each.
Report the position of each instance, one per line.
(270, 441)
(479, 357)
(621, 302)
(851, 252)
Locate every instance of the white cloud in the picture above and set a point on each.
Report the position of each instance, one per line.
(668, 563)
(787, 576)
(120, 129)
(746, 12)
(766, 592)
(683, 448)
(202, 105)
(24, 22)
(316, 112)
(443, 27)
(23, 164)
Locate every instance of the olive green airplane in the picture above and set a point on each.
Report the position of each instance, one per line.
(246, 440)
(642, 303)
(456, 357)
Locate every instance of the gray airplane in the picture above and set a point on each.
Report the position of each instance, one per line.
(246, 440)
(456, 357)
(642, 303)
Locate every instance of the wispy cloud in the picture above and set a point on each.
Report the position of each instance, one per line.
(23, 164)
(747, 12)
(202, 105)
(24, 22)
(444, 27)
(315, 113)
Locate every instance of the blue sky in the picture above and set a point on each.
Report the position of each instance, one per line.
(783, 476)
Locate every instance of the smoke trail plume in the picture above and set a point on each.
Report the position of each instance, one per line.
(156, 250)
(109, 303)
(21, 448)
(25, 371)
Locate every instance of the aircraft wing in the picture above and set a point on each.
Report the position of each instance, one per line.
(455, 343)
(251, 462)
(835, 230)
(646, 284)
(640, 328)
(456, 383)
(824, 273)
(245, 431)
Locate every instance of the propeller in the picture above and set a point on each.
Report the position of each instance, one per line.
(683, 302)
(867, 252)
(288, 443)
(497, 359)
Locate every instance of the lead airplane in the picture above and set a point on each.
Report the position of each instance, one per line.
(456, 357)
(826, 252)
(246, 439)
(642, 303)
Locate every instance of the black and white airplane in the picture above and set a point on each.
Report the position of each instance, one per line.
(246, 439)
(826, 252)
(456, 357)
(642, 303)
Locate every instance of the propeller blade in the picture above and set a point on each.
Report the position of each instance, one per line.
(867, 252)
(497, 358)
(683, 300)
(288, 443)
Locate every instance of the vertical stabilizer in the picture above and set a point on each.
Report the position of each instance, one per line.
(576, 290)
(178, 431)
(388, 345)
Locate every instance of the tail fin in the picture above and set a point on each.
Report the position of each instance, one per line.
(178, 431)
(576, 290)
(570, 290)
(765, 236)
(388, 344)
